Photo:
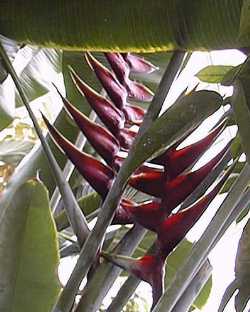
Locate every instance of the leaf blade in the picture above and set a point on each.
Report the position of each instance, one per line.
(29, 253)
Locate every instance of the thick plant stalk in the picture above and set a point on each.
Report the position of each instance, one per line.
(75, 215)
(165, 25)
(202, 247)
(92, 244)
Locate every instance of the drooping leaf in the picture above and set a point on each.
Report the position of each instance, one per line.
(29, 252)
(12, 151)
(213, 73)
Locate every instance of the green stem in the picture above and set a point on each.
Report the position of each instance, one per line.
(76, 217)
(93, 242)
(202, 248)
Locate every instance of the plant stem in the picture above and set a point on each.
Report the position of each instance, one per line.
(194, 288)
(124, 294)
(201, 249)
(76, 217)
(93, 242)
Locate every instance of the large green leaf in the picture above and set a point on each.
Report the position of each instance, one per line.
(125, 25)
(29, 252)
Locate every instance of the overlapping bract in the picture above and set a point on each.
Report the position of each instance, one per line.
(170, 182)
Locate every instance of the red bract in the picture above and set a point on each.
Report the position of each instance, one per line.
(138, 64)
(109, 114)
(149, 214)
(174, 228)
(173, 192)
(126, 138)
(101, 139)
(134, 114)
(176, 161)
(149, 181)
(116, 91)
(135, 90)
(98, 175)
(149, 268)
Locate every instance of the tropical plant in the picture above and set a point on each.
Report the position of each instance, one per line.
(136, 176)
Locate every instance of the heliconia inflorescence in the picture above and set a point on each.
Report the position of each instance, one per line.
(168, 178)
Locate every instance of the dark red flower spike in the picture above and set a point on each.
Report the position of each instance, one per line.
(115, 90)
(138, 64)
(109, 114)
(148, 214)
(105, 144)
(99, 176)
(176, 160)
(149, 268)
(175, 227)
(135, 90)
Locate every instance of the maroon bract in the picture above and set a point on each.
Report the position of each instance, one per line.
(173, 192)
(101, 139)
(109, 114)
(116, 91)
(134, 114)
(138, 64)
(174, 228)
(99, 176)
(126, 138)
(135, 90)
(176, 161)
(149, 214)
(149, 268)
(176, 190)
(149, 181)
